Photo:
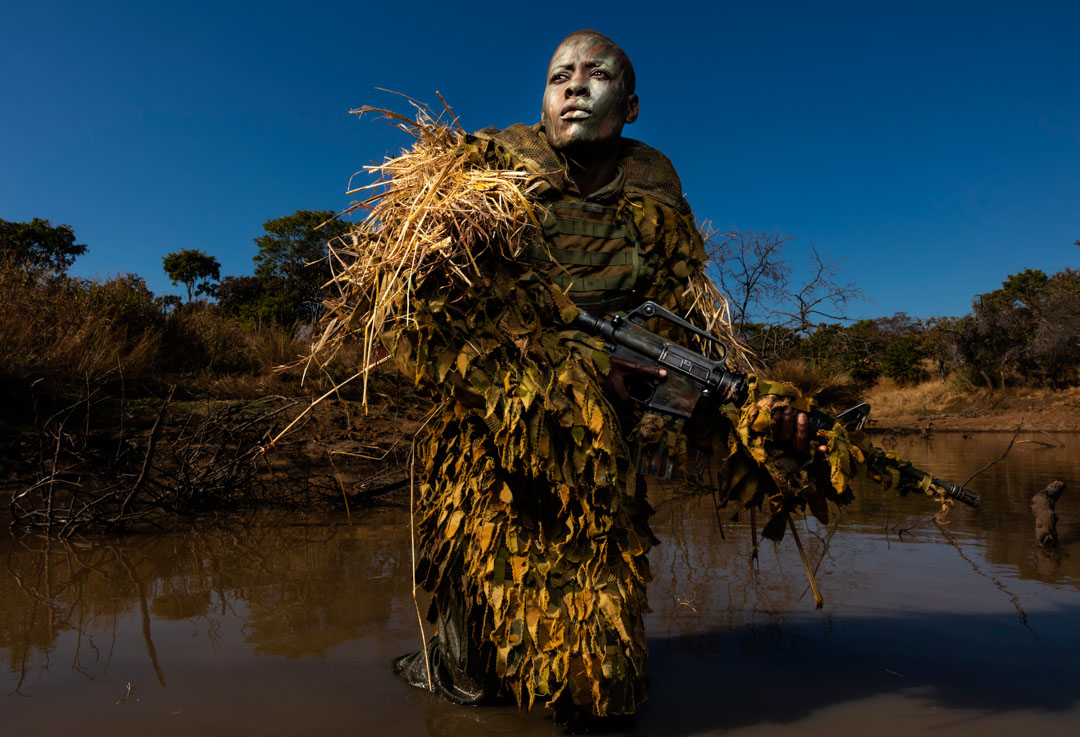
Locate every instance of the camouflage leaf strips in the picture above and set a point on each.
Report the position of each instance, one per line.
(528, 507)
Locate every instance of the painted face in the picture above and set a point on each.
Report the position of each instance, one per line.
(584, 100)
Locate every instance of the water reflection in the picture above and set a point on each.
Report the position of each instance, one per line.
(930, 627)
(1003, 524)
(296, 590)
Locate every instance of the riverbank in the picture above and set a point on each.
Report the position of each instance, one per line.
(939, 407)
(111, 463)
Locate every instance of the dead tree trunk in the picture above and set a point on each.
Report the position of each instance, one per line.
(1042, 506)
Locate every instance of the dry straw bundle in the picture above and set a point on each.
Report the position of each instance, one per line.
(433, 209)
(709, 308)
(427, 210)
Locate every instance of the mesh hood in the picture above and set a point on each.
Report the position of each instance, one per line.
(648, 171)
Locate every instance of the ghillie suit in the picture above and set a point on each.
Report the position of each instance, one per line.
(533, 531)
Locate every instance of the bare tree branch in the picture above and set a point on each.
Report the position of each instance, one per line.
(758, 279)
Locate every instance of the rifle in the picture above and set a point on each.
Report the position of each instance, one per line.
(692, 377)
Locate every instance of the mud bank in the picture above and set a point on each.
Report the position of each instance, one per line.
(935, 408)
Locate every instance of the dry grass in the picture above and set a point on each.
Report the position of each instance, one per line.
(710, 303)
(426, 211)
(63, 337)
(928, 398)
(50, 338)
(830, 387)
(954, 404)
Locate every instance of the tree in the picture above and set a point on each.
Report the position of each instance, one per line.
(247, 298)
(866, 349)
(238, 293)
(291, 262)
(750, 271)
(855, 349)
(1054, 349)
(192, 268)
(38, 246)
(903, 360)
(1028, 329)
(821, 296)
(767, 305)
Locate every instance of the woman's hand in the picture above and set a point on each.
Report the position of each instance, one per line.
(614, 382)
(792, 428)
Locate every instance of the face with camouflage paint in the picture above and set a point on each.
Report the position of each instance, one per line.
(585, 100)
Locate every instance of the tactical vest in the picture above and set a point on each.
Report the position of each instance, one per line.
(592, 249)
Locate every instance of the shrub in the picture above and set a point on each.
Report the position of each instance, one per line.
(903, 361)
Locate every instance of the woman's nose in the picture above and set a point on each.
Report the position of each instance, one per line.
(577, 87)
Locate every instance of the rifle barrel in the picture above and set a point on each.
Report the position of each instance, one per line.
(951, 490)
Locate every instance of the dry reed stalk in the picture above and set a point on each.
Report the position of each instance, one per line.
(712, 306)
(412, 559)
(819, 600)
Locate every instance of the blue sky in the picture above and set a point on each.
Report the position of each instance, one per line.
(933, 147)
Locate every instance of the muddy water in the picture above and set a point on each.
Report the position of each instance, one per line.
(284, 625)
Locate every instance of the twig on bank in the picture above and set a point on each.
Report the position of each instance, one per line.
(344, 496)
(155, 432)
(314, 403)
(209, 461)
(716, 508)
(1041, 443)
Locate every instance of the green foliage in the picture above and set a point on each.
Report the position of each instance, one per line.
(291, 265)
(866, 349)
(855, 349)
(38, 246)
(255, 302)
(1029, 329)
(903, 360)
(192, 268)
(236, 294)
(1026, 332)
(127, 300)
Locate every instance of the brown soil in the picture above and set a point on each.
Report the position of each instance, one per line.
(138, 462)
(938, 407)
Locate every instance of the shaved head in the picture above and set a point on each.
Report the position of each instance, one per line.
(628, 78)
(589, 95)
